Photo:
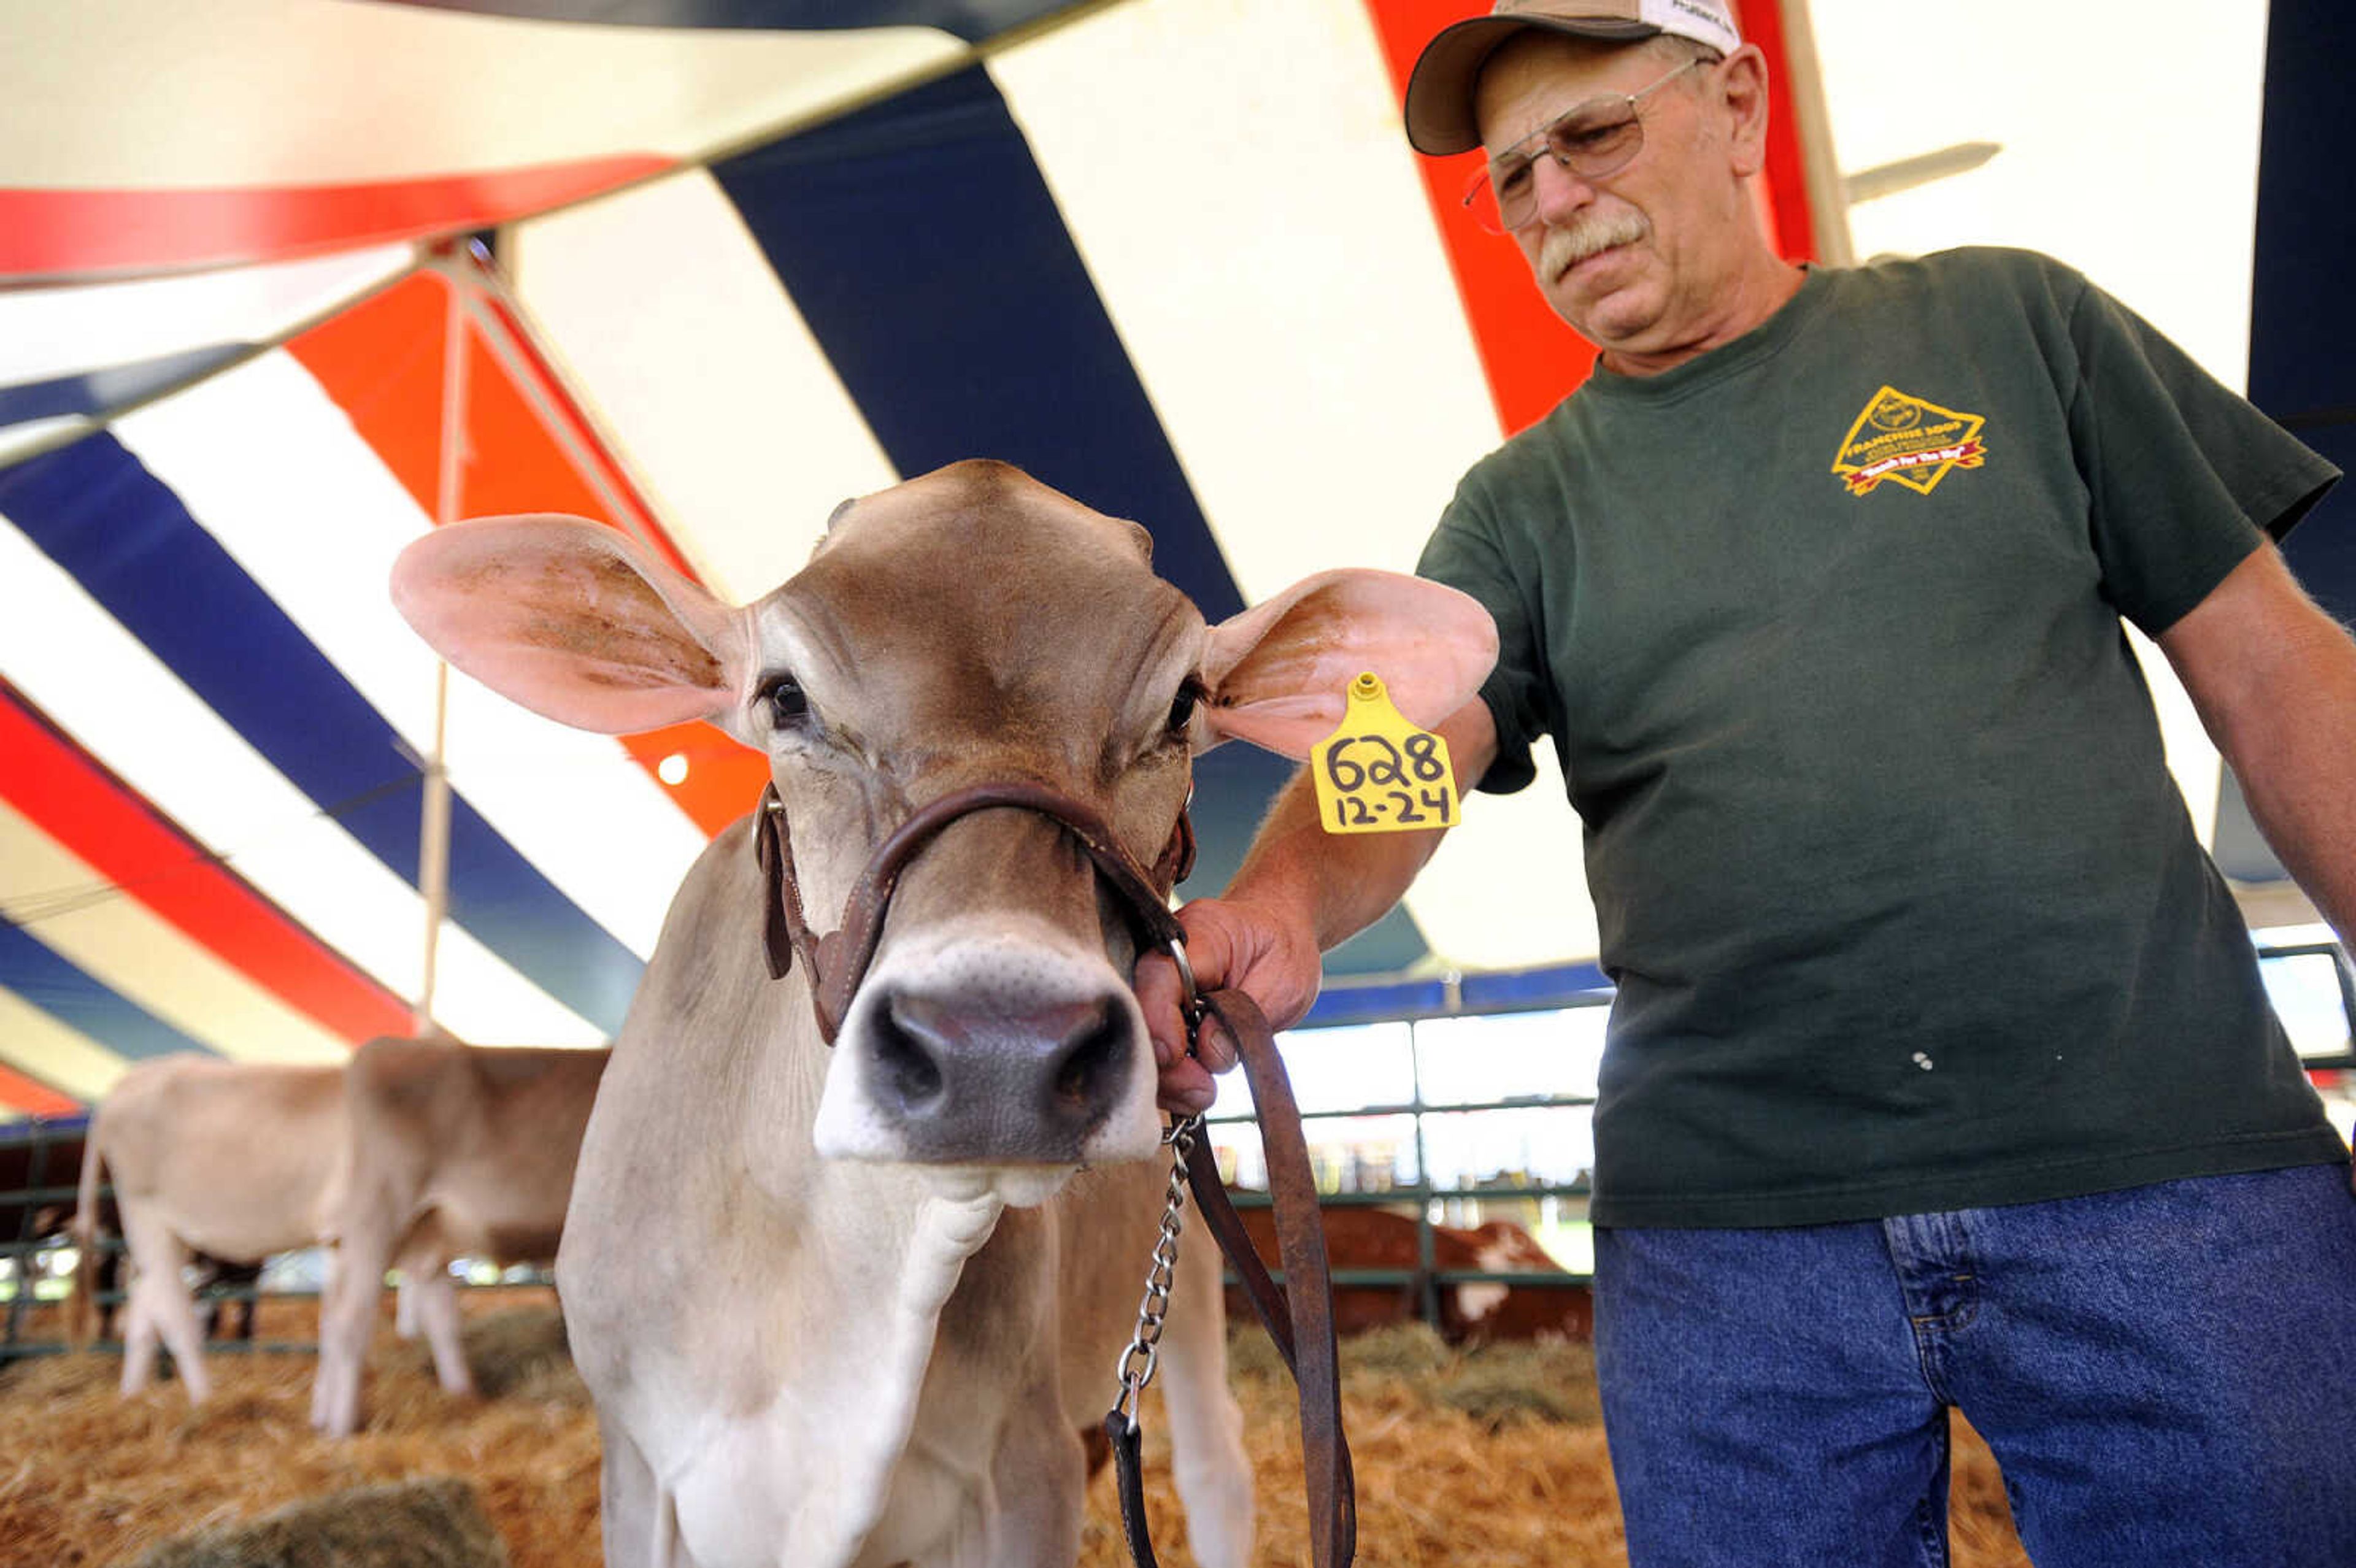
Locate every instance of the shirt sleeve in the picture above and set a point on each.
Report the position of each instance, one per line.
(2183, 476)
(1465, 555)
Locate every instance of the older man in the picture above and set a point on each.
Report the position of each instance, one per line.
(1940, 1074)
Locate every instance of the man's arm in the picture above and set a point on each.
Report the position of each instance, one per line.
(2273, 679)
(1300, 892)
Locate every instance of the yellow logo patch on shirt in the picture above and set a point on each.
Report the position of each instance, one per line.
(1908, 442)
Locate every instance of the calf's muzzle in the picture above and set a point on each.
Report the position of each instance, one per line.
(965, 1056)
(963, 1078)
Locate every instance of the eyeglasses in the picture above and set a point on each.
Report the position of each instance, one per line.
(1599, 137)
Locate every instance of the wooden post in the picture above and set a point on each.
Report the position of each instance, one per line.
(1827, 192)
(433, 827)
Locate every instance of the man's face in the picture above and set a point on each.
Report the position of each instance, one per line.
(1632, 259)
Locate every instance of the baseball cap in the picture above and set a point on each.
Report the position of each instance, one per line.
(1440, 90)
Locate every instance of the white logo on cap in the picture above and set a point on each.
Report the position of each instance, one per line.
(1695, 19)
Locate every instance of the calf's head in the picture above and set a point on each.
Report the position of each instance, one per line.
(969, 627)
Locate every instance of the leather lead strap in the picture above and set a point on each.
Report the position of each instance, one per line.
(775, 856)
(1128, 1471)
(1308, 1296)
(1219, 1217)
(1300, 1321)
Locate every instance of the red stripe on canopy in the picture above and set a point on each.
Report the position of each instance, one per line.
(68, 233)
(18, 1092)
(1531, 358)
(62, 790)
(380, 361)
(1785, 179)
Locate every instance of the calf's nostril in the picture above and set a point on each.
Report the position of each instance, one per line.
(1093, 1047)
(909, 1043)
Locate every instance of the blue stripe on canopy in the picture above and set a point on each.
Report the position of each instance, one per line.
(2302, 316)
(126, 538)
(972, 20)
(105, 391)
(46, 1128)
(996, 343)
(69, 995)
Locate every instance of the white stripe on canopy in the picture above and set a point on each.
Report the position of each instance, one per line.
(2130, 151)
(270, 467)
(64, 331)
(35, 1043)
(147, 960)
(346, 92)
(665, 312)
(76, 663)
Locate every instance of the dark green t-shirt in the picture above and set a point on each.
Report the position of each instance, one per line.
(1904, 909)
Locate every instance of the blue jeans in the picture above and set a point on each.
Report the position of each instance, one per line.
(2166, 1376)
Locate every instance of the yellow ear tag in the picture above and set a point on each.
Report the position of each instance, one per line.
(1378, 772)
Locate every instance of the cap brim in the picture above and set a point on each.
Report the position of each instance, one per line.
(1440, 118)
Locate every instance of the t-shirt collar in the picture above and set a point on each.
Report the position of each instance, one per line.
(1760, 343)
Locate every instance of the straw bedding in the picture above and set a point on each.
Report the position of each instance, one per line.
(434, 1523)
(1492, 1458)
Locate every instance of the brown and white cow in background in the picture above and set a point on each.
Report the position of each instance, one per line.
(452, 1151)
(916, 1256)
(230, 1158)
(1471, 1311)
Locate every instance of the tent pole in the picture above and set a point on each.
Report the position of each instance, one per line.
(434, 851)
(1828, 193)
(434, 828)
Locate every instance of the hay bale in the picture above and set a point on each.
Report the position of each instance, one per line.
(431, 1523)
(1499, 1395)
(522, 1351)
(1250, 1352)
(1498, 1385)
(1412, 1350)
(516, 1352)
(1550, 1379)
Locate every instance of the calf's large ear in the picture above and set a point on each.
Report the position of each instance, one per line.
(573, 621)
(1279, 673)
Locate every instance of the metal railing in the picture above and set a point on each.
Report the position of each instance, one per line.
(47, 1187)
(1427, 1278)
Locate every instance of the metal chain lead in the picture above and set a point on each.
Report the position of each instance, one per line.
(1135, 1368)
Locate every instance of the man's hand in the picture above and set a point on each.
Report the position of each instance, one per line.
(1299, 892)
(1246, 946)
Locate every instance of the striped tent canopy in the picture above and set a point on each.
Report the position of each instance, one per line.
(289, 282)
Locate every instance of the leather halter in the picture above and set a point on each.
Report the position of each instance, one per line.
(837, 962)
(1299, 1319)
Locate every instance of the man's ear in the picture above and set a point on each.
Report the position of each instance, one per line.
(573, 621)
(1740, 96)
(1279, 673)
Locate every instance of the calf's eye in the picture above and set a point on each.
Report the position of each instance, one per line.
(788, 703)
(1182, 711)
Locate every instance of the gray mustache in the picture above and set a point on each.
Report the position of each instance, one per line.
(1567, 247)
